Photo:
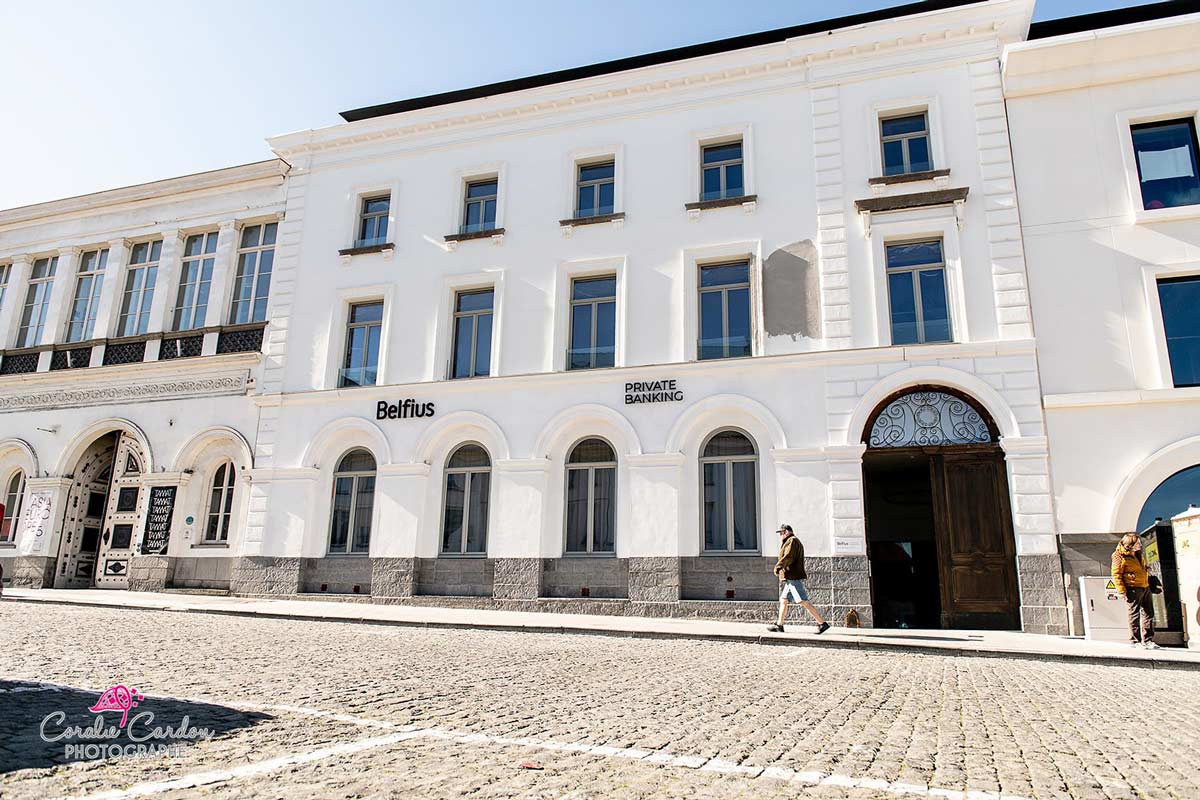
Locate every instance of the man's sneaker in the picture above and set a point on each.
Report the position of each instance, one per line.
(1135, 644)
(775, 628)
(1151, 646)
(824, 626)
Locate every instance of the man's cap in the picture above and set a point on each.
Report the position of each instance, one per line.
(785, 527)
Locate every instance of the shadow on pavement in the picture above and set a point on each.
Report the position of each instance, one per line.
(31, 713)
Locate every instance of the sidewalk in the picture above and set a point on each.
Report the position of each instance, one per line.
(976, 643)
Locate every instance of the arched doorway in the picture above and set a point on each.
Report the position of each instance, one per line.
(939, 525)
(103, 515)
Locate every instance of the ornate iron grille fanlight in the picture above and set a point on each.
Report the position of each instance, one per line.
(928, 418)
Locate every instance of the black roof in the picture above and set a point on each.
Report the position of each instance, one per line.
(651, 59)
(1111, 19)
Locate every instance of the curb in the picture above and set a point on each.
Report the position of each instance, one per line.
(769, 641)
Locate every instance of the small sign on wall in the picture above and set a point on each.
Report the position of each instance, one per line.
(37, 514)
(158, 520)
(848, 546)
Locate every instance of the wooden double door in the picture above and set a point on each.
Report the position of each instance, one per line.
(972, 533)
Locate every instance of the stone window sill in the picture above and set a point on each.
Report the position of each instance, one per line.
(589, 555)
(749, 204)
(347, 555)
(938, 197)
(565, 226)
(387, 248)
(8, 545)
(910, 177)
(211, 546)
(462, 555)
(454, 239)
(733, 553)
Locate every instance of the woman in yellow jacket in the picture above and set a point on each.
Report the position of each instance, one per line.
(1130, 576)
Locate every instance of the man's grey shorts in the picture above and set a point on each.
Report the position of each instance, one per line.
(793, 591)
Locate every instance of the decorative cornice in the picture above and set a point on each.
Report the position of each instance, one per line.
(127, 392)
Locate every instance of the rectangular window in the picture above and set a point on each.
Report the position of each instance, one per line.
(373, 221)
(905, 143)
(1166, 154)
(722, 171)
(5, 271)
(87, 295)
(139, 288)
(1180, 302)
(724, 311)
(594, 189)
(252, 285)
(37, 302)
(480, 211)
(916, 279)
(191, 304)
(472, 334)
(593, 323)
(363, 331)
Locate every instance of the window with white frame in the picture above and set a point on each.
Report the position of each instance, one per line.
(1179, 300)
(593, 322)
(724, 311)
(729, 491)
(591, 498)
(479, 211)
(353, 504)
(905, 143)
(139, 288)
(916, 281)
(220, 504)
(722, 171)
(37, 302)
(465, 506)
(364, 329)
(252, 284)
(472, 357)
(373, 220)
(1167, 163)
(88, 286)
(595, 189)
(195, 278)
(10, 512)
(5, 272)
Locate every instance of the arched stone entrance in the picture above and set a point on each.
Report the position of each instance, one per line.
(939, 525)
(103, 516)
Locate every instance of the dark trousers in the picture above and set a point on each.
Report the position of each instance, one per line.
(1141, 614)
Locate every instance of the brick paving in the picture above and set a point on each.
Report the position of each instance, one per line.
(435, 714)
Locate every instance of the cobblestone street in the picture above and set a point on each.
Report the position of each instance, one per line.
(304, 709)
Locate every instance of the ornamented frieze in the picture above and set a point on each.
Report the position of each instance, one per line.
(132, 390)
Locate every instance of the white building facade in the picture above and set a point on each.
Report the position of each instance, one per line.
(584, 341)
(1103, 127)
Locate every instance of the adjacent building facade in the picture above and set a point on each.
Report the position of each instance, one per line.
(579, 342)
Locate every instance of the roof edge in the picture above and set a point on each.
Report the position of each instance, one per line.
(1112, 19)
(651, 59)
(148, 190)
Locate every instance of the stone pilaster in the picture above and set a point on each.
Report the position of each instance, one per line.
(166, 284)
(265, 575)
(60, 299)
(654, 579)
(517, 579)
(393, 577)
(1043, 597)
(106, 311)
(150, 573)
(220, 294)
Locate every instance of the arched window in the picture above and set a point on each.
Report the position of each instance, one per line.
(1171, 497)
(220, 504)
(465, 511)
(13, 492)
(353, 501)
(929, 417)
(591, 497)
(729, 481)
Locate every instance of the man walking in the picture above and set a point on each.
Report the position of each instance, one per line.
(789, 568)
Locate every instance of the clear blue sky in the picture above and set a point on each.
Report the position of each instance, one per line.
(103, 94)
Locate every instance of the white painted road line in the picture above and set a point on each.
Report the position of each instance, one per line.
(403, 733)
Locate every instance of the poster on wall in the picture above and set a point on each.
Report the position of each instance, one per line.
(158, 520)
(37, 514)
